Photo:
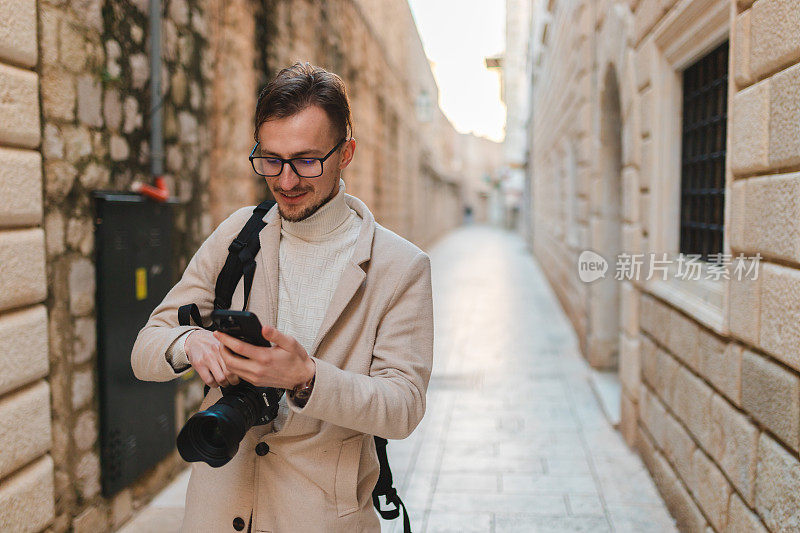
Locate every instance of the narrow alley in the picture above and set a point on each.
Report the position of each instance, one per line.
(607, 190)
(513, 438)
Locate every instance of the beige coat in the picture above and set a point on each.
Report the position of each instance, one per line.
(373, 354)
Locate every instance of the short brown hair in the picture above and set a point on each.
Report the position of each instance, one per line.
(299, 86)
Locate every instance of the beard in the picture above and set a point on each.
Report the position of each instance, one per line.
(308, 211)
(302, 215)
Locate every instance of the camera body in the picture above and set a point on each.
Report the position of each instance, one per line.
(213, 435)
(261, 401)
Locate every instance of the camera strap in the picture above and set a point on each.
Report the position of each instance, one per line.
(384, 488)
(241, 263)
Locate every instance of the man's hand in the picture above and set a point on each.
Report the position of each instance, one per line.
(205, 355)
(283, 365)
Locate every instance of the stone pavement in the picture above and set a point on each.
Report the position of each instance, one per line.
(513, 439)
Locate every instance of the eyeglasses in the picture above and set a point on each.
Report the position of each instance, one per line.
(305, 167)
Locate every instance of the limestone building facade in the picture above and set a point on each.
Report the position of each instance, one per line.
(673, 127)
(26, 466)
(75, 117)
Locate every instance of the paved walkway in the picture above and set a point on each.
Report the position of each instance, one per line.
(513, 439)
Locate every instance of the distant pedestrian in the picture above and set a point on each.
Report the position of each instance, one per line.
(467, 214)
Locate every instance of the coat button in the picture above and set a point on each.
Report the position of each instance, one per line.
(262, 448)
(238, 523)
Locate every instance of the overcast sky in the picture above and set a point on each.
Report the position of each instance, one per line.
(457, 36)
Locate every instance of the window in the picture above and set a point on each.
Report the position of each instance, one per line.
(687, 72)
(705, 104)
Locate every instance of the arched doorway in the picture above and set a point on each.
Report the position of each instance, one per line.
(604, 326)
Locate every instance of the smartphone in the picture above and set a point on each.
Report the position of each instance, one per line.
(242, 325)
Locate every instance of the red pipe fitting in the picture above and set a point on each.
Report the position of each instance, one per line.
(159, 193)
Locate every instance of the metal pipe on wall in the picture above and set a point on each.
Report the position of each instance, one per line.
(156, 134)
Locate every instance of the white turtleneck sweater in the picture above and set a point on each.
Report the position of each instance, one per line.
(313, 253)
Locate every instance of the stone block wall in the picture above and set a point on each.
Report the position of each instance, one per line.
(232, 105)
(94, 74)
(26, 437)
(710, 373)
(562, 147)
(743, 421)
(699, 405)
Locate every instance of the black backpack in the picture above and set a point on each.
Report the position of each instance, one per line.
(241, 263)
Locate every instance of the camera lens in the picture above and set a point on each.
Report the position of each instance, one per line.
(213, 435)
(209, 429)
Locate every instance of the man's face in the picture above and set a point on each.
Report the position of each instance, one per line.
(308, 133)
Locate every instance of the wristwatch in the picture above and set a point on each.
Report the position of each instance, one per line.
(302, 392)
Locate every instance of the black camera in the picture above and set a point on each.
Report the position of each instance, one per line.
(213, 435)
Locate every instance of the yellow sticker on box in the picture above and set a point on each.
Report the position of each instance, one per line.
(141, 283)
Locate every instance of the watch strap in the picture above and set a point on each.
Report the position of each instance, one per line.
(302, 392)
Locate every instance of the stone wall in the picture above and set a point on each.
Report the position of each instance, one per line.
(563, 132)
(765, 149)
(237, 77)
(709, 369)
(94, 76)
(26, 437)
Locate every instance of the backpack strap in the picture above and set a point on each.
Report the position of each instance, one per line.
(241, 259)
(189, 312)
(240, 262)
(384, 488)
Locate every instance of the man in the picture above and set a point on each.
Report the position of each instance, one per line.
(347, 307)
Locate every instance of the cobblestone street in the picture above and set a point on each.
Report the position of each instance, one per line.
(513, 438)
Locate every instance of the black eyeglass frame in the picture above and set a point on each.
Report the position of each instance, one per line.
(294, 168)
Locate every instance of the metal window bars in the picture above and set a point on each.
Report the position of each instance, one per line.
(705, 111)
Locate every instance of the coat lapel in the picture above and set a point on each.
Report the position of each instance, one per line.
(353, 275)
(267, 263)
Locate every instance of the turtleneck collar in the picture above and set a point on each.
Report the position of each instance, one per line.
(324, 221)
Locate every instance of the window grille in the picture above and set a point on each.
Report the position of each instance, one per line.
(705, 110)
